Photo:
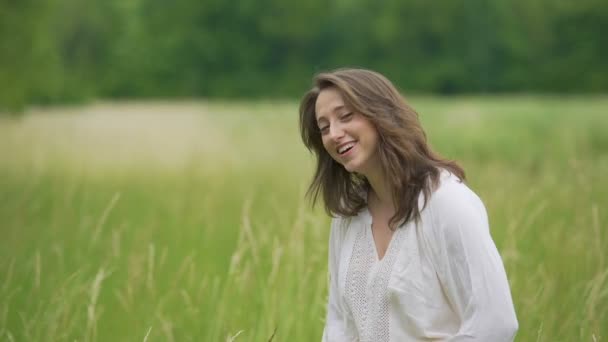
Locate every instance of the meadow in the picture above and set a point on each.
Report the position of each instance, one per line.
(187, 221)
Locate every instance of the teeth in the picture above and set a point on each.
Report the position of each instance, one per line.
(346, 147)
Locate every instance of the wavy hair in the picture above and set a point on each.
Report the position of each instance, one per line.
(407, 161)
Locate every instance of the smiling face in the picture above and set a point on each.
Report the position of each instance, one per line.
(349, 137)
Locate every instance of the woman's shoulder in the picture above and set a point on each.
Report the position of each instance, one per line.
(339, 222)
(452, 197)
(341, 225)
(343, 228)
(450, 187)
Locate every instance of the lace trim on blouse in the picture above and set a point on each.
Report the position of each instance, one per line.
(367, 294)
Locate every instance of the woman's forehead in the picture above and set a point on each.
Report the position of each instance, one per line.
(329, 101)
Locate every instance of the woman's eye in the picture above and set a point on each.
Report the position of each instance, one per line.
(324, 129)
(347, 116)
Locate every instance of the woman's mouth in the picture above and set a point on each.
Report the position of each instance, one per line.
(346, 148)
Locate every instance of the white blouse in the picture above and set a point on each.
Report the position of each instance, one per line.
(440, 278)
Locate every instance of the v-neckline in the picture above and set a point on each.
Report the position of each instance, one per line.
(371, 240)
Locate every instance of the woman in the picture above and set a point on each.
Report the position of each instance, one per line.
(410, 253)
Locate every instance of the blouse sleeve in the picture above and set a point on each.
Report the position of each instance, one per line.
(469, 267)
(335, 326)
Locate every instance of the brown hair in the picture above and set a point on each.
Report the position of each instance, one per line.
(408, 163)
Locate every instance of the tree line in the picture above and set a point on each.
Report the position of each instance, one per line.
(56, 51)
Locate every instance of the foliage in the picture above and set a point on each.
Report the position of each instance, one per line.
(70, 50)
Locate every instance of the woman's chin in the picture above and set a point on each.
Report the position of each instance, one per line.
(351, 167)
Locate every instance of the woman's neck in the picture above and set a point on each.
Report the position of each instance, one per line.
(380, 189)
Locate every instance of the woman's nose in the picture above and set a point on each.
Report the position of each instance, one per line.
(336, 131)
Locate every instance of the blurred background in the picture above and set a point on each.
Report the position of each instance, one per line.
(152, 178)
(58, 51)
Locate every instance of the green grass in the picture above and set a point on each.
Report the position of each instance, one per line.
(187, 222)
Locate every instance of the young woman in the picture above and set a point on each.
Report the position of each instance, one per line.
(410, 252)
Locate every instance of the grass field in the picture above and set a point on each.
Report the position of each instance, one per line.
(186, 221)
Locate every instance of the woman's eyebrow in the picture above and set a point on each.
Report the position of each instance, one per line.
(338, 107)
(334, 109)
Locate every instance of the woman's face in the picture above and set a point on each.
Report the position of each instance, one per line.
(349, 137)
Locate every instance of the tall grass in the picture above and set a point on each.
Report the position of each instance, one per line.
(187, 222)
